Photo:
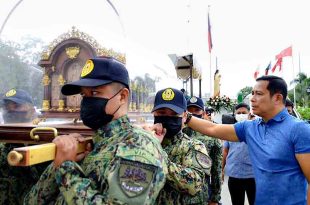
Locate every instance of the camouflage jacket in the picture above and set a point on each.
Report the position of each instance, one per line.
(188, 166)
(126, 166)
(15, 181)
(214, 148)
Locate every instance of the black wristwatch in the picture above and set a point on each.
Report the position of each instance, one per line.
(188, 117)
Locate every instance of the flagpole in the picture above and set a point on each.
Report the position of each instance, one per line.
(299, 62)
(210, 64)
(294, 91)
(210, 75)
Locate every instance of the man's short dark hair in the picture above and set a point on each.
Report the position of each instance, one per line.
(289, 103)
(209, 110)
(275, 85)
(242, 105)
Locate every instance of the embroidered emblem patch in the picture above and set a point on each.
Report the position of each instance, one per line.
(168, 94)
(193, 100)
(10, 93)
(135, 177)
(203, 160)
(88, 68)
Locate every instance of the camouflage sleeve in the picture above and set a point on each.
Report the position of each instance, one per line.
(75, 187)
(216, 171)
(185, 179)
(190, 176)
(134, 176)
(45, 190)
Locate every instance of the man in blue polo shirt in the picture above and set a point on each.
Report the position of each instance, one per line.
(279, 144)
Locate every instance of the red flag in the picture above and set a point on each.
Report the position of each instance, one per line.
(209, 35)
(284, 53)
(278, 63)
(256, 73)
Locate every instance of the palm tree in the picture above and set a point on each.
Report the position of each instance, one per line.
(302, 97)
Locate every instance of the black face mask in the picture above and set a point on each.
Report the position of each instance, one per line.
(93, 112)
(16, 117)
(173, 125)
(198, 116)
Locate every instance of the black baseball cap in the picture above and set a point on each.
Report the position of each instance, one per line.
(96, 72)
(196, 102)
(170, 98)
(18, 96)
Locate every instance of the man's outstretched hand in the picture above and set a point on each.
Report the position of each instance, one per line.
(157, 129)
(67, 148)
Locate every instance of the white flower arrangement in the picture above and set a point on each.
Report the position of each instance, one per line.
(219, 102)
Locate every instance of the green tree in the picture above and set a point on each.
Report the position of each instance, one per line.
(245, 91)
(304, 112)
(18, 67)
(302, 97)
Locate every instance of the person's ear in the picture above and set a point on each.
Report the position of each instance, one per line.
(124, 95)
(278, 98)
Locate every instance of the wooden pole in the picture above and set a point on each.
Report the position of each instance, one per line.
(200, 87)
(191, 74)
(36, 154)
(294, 90)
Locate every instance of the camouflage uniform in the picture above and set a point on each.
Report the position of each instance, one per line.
(188, 166)
(15, 181)
(126, 166)
(214, 148)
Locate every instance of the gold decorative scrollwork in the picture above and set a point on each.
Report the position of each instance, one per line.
(61, 80)
(75, 33)
(46, 105)
(72, 52)
(45, 55)
(46, 80)
(111, 53)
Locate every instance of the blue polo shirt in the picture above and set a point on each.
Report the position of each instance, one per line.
(272, 148)
(238, 163)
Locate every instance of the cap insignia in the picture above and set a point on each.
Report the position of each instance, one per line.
(88, 68)
(10, 93)
(193, 100)
(168, 94)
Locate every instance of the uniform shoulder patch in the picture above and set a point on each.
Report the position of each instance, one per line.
(135, 177)
(203, 160)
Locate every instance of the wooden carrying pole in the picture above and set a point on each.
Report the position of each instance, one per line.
(31, 155)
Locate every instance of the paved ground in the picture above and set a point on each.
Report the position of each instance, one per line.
(226, 196)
